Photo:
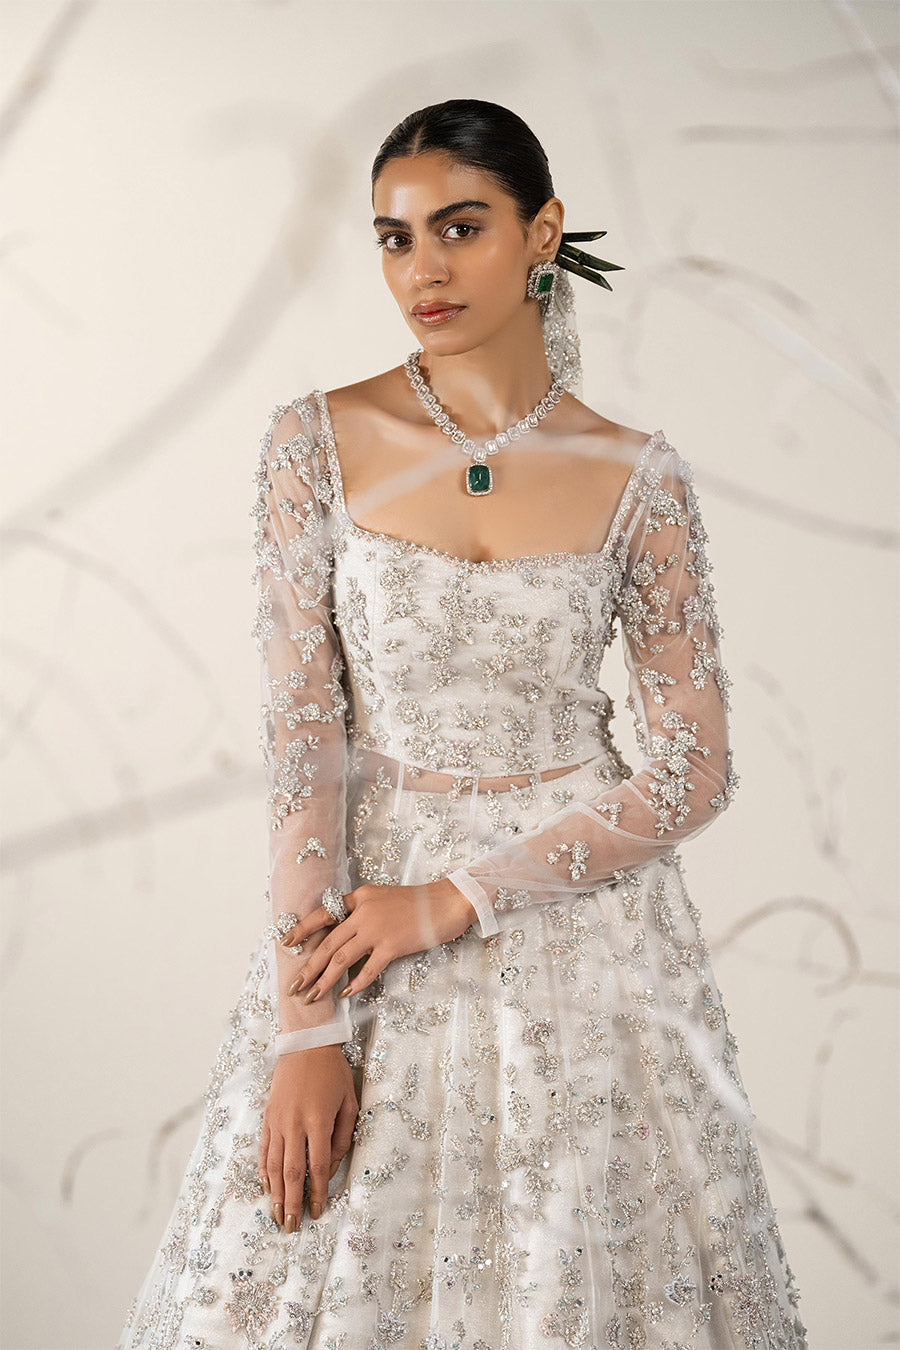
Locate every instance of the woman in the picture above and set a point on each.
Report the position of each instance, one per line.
(482, 1006)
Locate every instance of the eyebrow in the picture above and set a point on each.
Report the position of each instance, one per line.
(435, 217)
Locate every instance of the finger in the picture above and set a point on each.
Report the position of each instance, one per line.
(274, 1168)
(314, 963)
(312, 966)
(296, 936)
(377, 962)
(318, 918)
(319, 1163)
(294, 1180)
(261, 1155)
(352, 951)
(318, 960)
(344, 1125)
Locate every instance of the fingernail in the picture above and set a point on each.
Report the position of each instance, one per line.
(279, 1214)
(312, 994)
(264, 1182)
(345, 992)
(315, 1209)
(290, 1223)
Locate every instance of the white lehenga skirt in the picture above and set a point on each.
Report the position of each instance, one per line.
(554, 1146)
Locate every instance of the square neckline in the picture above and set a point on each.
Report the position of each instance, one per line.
(487, 564)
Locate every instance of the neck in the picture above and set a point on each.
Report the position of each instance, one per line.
(486, 389)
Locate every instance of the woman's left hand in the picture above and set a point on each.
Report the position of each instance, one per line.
(383, 922)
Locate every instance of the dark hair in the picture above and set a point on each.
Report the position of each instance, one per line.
(483, 135)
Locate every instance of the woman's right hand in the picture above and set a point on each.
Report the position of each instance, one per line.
(312, 1109)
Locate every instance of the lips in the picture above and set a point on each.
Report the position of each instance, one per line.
(436, 313)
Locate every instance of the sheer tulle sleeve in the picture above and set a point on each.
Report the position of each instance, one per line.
(302, 725)
(678, 698)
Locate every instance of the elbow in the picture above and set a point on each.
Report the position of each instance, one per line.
(713, 791)
(688, 802)
(730, 783)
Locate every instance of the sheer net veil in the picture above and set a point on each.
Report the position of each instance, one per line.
(561, 341)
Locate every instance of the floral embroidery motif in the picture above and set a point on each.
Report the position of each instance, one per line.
(553, 1138)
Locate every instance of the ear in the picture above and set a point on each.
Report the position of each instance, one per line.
(547, 228)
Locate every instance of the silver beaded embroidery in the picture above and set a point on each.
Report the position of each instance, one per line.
(553, 1143)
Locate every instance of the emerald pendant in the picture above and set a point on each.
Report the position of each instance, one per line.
(479, 479)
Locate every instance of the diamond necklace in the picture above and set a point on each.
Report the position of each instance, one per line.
(479, 479)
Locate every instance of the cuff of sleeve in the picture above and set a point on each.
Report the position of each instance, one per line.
(477, 898)
(335, 1032)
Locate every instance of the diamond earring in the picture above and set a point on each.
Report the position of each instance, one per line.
(541, 278)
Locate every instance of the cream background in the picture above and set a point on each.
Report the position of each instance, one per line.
(186, 244)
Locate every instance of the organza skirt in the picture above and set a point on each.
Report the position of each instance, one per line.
(553, 1147)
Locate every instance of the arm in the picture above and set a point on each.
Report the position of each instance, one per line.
(679, 701)
(302, 728)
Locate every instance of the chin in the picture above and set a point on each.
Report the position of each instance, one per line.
(446, 344)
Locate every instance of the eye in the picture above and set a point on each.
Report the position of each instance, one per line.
(464, 225)
(382, 241)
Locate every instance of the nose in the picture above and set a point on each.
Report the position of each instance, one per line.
(427, 264)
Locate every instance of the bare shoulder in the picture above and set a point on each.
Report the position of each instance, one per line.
(378, 394)
(585, 421)
(372, 423)
(606, 452)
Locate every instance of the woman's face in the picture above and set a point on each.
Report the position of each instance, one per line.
(450, 236)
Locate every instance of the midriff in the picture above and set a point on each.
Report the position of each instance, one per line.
(369, 762)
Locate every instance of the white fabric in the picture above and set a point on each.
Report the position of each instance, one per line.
(679, 700)
(554, 1146)
(302, 729)
(651, 573)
